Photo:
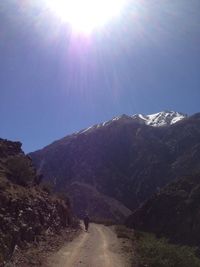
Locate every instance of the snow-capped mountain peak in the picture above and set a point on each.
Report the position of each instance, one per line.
(159, 119)
(163, 118)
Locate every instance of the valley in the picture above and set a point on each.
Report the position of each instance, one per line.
(136, 171)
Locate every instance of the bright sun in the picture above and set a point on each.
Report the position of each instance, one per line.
(86, 15)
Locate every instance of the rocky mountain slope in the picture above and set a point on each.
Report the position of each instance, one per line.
(125, 158)
(174, 212)
(26, 211)
(85, 197)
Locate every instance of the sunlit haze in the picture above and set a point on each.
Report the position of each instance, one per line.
(86, 15)
(66, 65)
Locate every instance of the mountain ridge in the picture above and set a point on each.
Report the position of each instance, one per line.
(126, 160)
(172, 118)
(163, 118)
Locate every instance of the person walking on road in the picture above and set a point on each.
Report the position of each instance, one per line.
(86, 221)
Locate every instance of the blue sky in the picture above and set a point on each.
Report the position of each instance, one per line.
(53, 82)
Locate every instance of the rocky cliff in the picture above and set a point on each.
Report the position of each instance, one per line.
(26, 211)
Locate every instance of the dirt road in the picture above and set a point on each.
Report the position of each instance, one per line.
(100, 247)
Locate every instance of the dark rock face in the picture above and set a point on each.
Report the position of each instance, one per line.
(124, 159)
(9, 148)
(25, 215)
(15, 166)
(174, 212)
(26, 211)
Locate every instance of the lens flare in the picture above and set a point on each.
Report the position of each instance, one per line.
(86, 15)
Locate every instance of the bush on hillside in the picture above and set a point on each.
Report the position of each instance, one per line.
(64, 197)
(20, 170)
(47, 187)
(153, 252)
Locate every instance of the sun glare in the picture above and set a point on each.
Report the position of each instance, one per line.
(86, 15)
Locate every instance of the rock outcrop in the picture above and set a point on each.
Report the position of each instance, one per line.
(26, 211)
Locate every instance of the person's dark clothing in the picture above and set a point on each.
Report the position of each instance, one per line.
(86, 222)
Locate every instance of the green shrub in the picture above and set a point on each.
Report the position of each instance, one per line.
(153, 252)
(62, 195)
(47, 187)
(21, 170)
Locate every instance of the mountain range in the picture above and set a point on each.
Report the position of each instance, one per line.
(157, 120)
(123, 161)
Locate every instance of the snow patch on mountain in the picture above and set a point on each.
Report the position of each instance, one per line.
(159, 119)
